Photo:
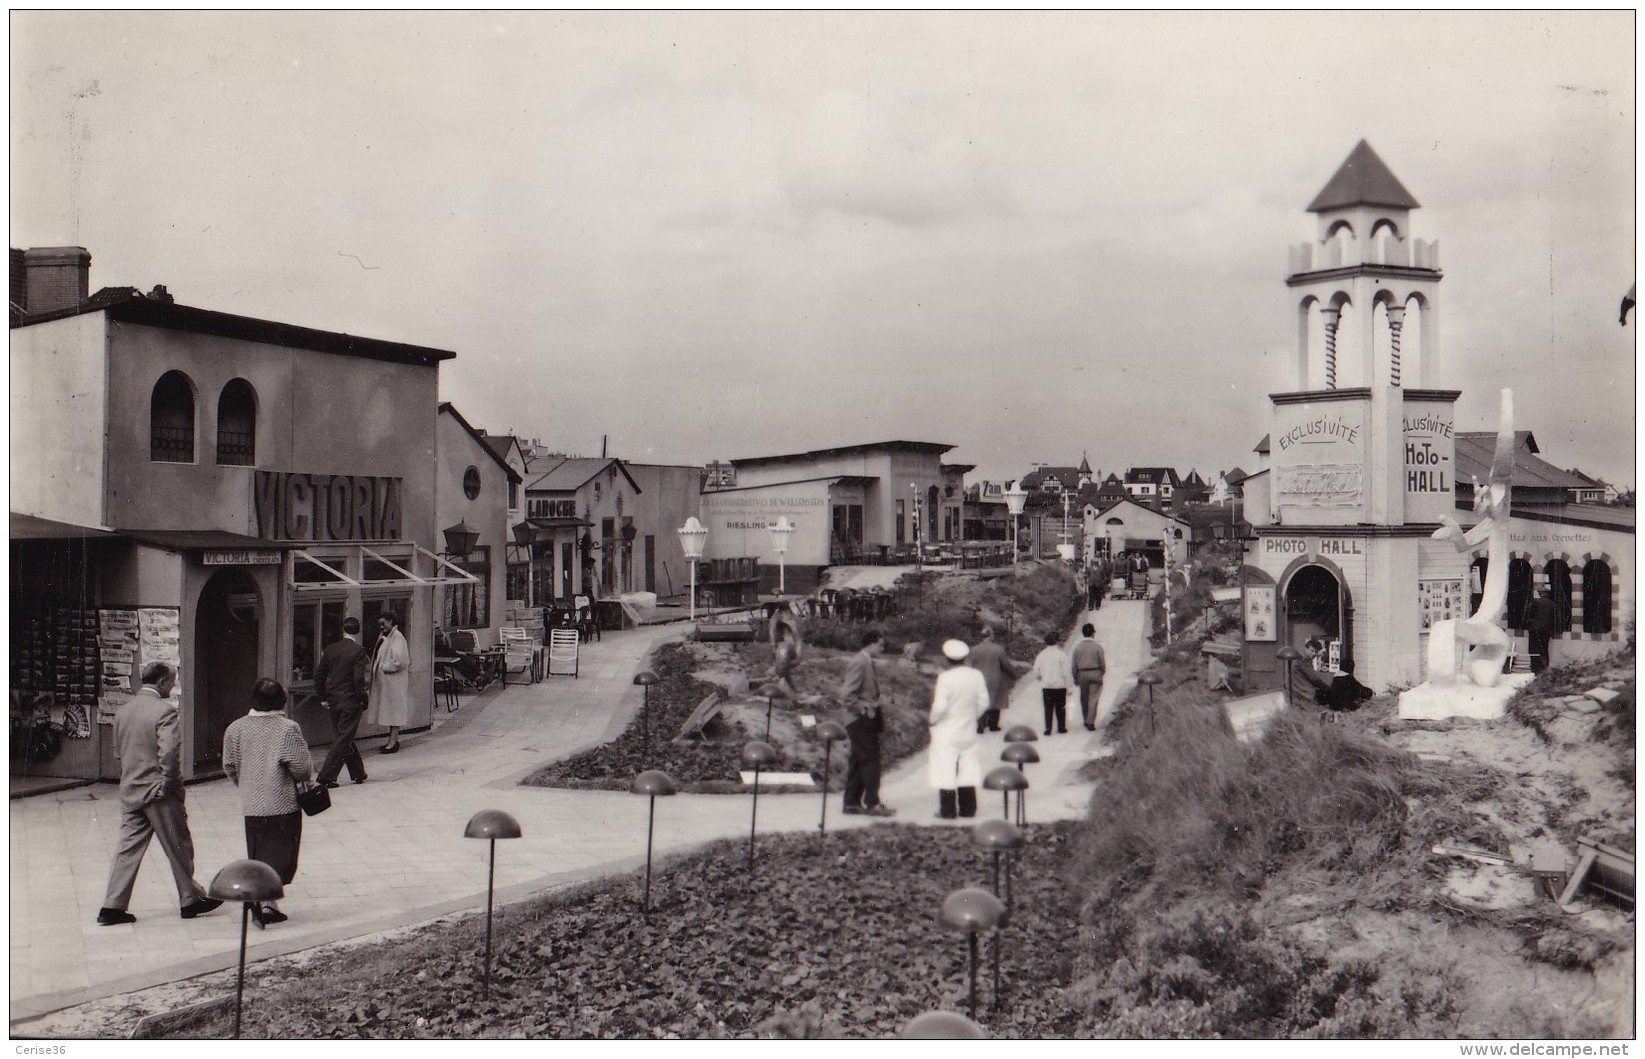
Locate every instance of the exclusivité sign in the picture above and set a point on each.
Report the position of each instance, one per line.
(326, 507)
(1319, 454)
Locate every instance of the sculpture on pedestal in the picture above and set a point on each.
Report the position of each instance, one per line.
(1483, 633)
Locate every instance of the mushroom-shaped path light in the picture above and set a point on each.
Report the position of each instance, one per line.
(490, 824)
(941, 1026)
(756, 755)
(249, 882)
(1021, 733)
(645, 678)
(1019, 754)
(998, 837)
(973, 910)
(651, 783)
(1006, 779)
(1148, 680)
(1290, 656)
(830, 732)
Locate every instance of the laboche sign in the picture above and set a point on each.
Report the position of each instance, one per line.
(326, 507)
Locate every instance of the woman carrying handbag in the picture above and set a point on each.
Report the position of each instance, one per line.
(264, 755)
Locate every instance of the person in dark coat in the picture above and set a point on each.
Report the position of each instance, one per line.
(1542, 622)
(860, 699)
(342, 679)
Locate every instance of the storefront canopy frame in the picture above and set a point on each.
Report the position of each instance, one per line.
(409, 578)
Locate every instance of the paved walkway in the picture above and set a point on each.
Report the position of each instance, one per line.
(390, 852)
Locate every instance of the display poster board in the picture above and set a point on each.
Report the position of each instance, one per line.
(129, 638)
(1259, 614)
(1440, 599)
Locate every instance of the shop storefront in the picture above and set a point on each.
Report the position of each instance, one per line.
(214, 492)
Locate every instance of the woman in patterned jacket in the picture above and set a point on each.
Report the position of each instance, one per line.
(264, 754)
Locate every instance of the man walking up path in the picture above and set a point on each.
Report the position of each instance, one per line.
(1089, 664)
(342, 676)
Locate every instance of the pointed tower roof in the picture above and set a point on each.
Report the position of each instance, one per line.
(1085, 464)
(1363, 180)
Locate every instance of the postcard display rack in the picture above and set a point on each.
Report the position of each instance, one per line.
(72, 667)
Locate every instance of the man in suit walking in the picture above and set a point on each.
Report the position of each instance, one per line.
(342, 677)
(989, 658)
(148, 743)
(860, 698)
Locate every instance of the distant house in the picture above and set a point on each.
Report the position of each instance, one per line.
(1147, 484)
(564, 504)
(1057, 479)
(1535, 480)
(1111, 491)
(1193, 490)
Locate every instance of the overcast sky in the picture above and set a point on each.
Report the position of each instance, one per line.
(727, 235)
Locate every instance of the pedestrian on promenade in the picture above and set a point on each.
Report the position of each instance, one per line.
(343, 679)
(390, 681)
(1090, 664)
(1056, 675)
(265, 756)
(1541, 622)
(957, 704)
(860, 699)
(997, 669)
(148, 743)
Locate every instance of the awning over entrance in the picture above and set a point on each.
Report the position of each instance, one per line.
(414, 569)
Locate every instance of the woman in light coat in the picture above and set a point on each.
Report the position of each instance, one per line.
(390, 681)
(960, 699)
(265, 756)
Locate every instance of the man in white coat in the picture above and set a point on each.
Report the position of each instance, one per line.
(960, 698)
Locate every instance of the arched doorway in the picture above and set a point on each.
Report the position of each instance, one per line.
(227, 624)
(1315, 607)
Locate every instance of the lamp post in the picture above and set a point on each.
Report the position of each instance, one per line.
(249, 882)
(997, 836)
(830, 732)
(781, 530)
(1065, 550)
(491, 824)
(919, 547)
(692, 537)
(1148, 680)
(756, 755)
(1015, 499)
(651, 783)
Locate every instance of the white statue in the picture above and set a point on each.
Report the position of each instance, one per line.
(1483, 633)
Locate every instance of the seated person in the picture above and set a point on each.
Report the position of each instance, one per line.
(1309, 678)
(1344, 692)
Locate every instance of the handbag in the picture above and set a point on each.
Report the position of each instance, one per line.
(313, 799)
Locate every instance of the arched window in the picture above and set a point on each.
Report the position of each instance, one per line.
(237, 424)
(1596, 596)
(1558, 572)
(171, 419)
(1519, 591)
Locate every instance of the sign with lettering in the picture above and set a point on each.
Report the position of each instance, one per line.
(1319, 453)
(326, 507)
(1440, 599)
(258, 557)
(1331, 547)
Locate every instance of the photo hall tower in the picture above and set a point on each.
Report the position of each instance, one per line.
(1362, 452)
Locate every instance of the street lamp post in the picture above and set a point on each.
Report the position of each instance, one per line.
(781, 530)
(692, 537)
(1015, 499)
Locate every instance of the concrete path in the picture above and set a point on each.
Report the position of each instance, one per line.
(390, 852)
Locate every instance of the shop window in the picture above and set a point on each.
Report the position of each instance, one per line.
(313, 626)
(171, 419)
(518, 577)
(1519, 591)
(1558, 573)
(237, 424)
(1596, 596)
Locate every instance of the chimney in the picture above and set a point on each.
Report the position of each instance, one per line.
(54, 277)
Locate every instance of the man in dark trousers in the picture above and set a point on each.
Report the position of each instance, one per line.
(1541, 622)
(997, 670)
(148, 742)
(342, 677)
(860, 698)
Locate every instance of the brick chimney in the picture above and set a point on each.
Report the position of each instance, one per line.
(54, 277)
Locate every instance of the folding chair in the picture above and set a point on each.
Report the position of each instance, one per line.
(563, 649)
(518, 655)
